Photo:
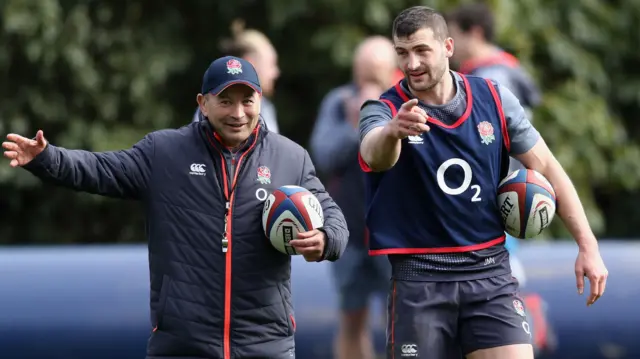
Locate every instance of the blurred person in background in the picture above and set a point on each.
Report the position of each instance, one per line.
(255, 47)
(472, 27)
(198, 185)
(334, 147)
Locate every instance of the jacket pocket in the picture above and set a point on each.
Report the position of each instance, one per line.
(162, 300)
(288, 310)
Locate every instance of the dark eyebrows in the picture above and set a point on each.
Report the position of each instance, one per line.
(414, 47)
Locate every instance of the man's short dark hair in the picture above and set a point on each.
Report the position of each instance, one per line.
(420, 17)
(473, 15)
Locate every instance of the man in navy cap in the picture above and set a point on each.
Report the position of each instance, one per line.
(253, 46)
(218, 288)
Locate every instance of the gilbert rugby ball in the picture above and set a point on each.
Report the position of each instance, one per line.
(527, 203)
(288, 211)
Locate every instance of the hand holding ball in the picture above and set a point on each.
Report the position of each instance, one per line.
(290, 210)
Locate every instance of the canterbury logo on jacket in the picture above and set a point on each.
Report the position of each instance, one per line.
(205, 302)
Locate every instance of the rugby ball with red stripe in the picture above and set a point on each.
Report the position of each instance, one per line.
(527, 203)
(287, 211)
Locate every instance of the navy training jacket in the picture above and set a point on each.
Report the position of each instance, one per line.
(205, 302)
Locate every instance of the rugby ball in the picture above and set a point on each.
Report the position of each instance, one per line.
(287, 211)
(527, 203)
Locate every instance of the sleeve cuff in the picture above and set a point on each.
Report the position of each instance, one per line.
(42, 161)
(329, 246)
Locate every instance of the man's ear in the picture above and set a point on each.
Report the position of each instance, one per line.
(201, 101)
(449, 47)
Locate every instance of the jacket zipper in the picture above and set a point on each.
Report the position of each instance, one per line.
(226, 248)
(229, 194)
(228, 183)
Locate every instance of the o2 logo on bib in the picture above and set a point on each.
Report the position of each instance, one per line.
(466, 179)
(262, 194)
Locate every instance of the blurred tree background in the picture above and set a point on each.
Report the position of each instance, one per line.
(98, 75)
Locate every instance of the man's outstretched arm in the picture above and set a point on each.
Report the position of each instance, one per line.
(120, 174)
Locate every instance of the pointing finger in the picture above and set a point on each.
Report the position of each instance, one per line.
(407, 106)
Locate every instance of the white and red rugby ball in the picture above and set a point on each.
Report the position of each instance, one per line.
(527, 203)
(287, 211)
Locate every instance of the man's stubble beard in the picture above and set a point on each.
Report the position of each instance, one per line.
(438, 78)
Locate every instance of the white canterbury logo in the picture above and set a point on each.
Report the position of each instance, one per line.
(416, 140)
(198, 169)
(409, 350)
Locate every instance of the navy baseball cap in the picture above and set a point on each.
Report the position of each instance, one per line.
(227, 71)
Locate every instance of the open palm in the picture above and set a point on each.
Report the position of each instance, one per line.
(21, 150)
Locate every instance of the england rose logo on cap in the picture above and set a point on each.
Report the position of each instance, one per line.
(234, 67)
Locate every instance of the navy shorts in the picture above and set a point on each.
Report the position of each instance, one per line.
(359, 276)
(447, 320)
